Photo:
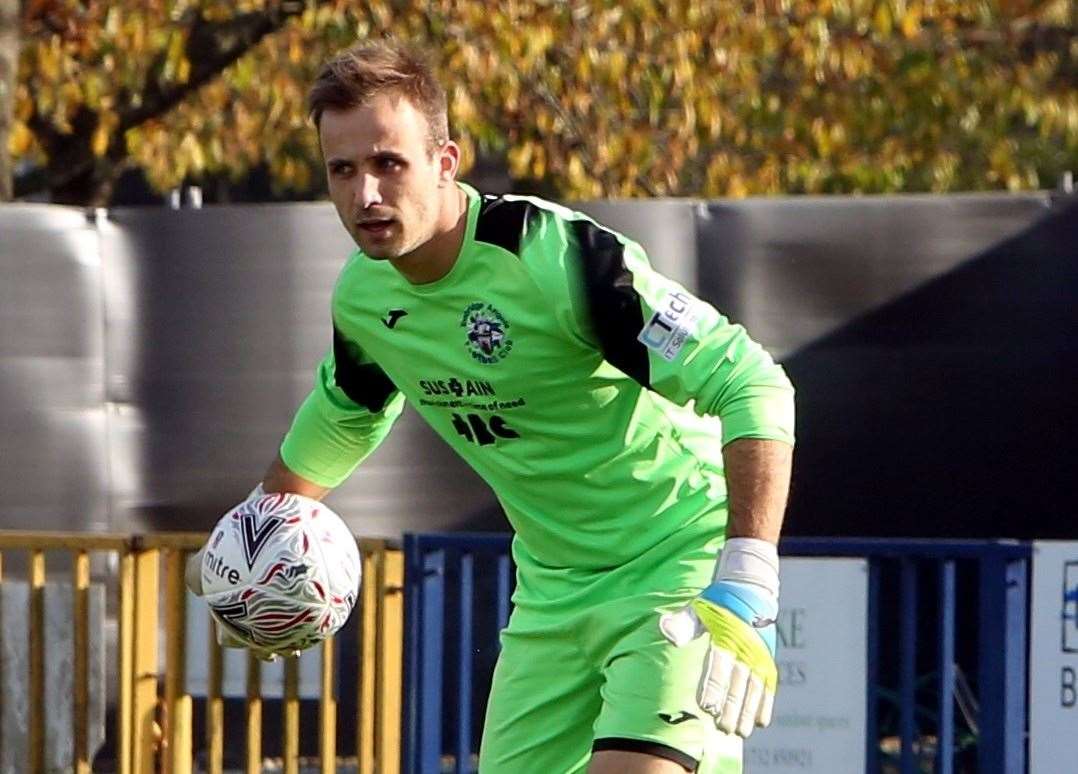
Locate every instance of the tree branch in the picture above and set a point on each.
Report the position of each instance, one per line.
(211, 47)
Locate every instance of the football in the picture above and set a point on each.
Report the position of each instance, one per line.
(281, 572)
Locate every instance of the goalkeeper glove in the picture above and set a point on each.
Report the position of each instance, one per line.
(737, 612)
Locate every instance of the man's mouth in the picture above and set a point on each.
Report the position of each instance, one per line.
(375, 227)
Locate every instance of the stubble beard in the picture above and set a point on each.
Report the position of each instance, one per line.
(382, 251)
(405, 242)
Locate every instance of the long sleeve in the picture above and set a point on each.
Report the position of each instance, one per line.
(346, 416)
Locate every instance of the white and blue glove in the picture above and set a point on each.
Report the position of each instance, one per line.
(737, 611)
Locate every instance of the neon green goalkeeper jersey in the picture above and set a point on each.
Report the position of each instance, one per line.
(591, 393)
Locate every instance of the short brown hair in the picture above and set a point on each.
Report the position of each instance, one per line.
(355, 75)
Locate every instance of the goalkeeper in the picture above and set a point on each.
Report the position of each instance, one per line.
(639, 442)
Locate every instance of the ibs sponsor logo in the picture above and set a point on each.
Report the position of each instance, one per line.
(1070, 607)
(487, 332)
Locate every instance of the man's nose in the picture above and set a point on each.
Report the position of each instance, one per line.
(369, 192)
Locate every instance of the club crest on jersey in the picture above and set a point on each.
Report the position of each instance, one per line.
(487, 332)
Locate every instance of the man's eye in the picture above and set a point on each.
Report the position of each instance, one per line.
(389, 165)
(341, 170)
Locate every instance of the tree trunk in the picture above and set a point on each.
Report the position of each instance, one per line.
(9, 64)
(77, 175)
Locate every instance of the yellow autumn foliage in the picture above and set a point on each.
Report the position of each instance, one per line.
(599, 97)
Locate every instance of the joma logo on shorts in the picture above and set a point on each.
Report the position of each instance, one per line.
(674, 720)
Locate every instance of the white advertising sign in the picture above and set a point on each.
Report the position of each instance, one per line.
(819, 722)
(1053, 657)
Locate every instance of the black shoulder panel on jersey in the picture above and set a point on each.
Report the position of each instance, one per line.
(613, 304)
(365, 383)
(501, 222)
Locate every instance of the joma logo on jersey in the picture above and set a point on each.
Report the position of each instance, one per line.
(468, 387)
(487, 332)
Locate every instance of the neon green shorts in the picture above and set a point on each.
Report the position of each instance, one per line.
(603, 677)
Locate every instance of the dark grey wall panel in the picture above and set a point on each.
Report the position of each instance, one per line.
(932, 344)
(52, 411)
(229, 315)
(794, 269)
(150, 365)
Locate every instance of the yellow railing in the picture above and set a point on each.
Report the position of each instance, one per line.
(153, 729)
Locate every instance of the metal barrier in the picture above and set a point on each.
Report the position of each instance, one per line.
(441, 568)
(154, 713)
(427, 560)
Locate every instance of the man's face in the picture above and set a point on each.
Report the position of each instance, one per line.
(383, 179)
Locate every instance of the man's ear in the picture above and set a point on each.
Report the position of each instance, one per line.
(448, 162)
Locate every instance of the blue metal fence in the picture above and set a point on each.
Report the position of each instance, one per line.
(451, 644)
(440, 573)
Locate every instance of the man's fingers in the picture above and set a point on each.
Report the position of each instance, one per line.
(767, 706)
(735, 698)
(681, 626)
(750, 710)
(715, 682)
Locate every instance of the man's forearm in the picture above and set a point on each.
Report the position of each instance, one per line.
(280, 479)
(758, 482)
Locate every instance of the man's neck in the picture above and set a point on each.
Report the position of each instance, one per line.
(435, 258)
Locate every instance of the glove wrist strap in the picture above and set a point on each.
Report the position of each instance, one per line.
(751, 561)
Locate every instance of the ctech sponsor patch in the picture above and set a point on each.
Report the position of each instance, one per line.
(673, 321)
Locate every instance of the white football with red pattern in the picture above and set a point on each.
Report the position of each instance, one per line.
(281, 572)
